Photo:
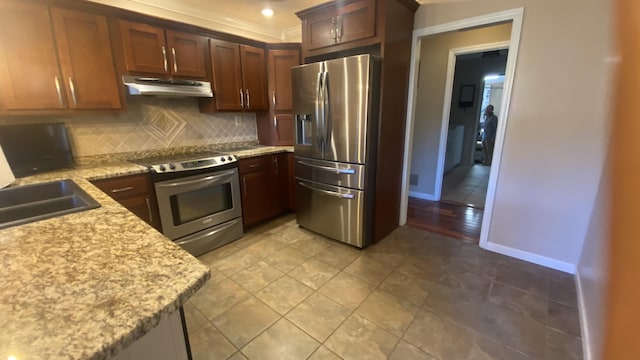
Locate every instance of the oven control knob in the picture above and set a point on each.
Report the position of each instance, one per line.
(162, 168)
(230, 158)
(172, 166)
(223, 159)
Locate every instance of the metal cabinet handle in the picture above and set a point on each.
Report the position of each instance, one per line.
(175, 61)
(339, 28)
(253, 165)
(73, 92)
(241, 99)
(273, 97)
(149, 210)
(248, 98)
(244, 187)
(333, 31)
(327, 192)
(58, 90)
(115, 191)
(164, 59)
(275, 160)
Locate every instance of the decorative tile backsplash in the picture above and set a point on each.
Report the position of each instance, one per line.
(156, 123)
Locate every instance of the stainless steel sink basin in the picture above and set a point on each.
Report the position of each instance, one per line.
(29, 203)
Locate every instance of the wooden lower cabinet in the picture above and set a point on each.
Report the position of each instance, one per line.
(134, 192)
(264, 187)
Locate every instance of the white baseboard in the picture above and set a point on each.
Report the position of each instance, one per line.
(422, 196)
(532, 258)
(584, 326)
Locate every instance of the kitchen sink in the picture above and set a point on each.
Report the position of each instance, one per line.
(28, 203)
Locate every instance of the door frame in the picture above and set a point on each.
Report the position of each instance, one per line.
(515, 16)
(446, 107)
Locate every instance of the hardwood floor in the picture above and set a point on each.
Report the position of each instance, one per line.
(446, 218)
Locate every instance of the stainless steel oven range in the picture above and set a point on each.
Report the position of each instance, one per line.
(198, 199)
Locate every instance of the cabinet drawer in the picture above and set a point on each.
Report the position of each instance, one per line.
(125, 186)
(259, 163)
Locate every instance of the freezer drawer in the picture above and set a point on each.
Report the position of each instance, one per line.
(332, 211)
(331, 173)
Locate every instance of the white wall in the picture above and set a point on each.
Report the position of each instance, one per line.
(434, 53)
(555, 140)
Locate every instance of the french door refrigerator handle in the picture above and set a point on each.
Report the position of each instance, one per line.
(327, 168)
(319, 111)
(326, 106)
(327, 192)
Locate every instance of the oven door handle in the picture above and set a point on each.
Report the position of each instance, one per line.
(197, 181)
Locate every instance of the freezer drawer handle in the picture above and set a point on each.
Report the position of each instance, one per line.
(326, 192)
(327, 168)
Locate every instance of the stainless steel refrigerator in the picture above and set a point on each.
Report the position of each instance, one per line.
(335, 103)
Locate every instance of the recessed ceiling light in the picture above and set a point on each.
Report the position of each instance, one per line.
(267, 12)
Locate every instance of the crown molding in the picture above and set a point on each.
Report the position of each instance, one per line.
(219, 22)
(292, 34)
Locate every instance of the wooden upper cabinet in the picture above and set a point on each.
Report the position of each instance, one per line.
(239, 77)
(55, 59)
(254, 78)
(144, 48)
(228, 92)
(187, 54)
(29, 74)
(84, 51)
(336, 23)
(279, 67)
(153, 50)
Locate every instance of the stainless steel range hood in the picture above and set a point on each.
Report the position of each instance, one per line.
(138, 85)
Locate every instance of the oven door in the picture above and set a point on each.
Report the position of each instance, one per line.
(190, 204)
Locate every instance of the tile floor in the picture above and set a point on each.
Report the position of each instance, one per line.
(284, 293)
(466, 184)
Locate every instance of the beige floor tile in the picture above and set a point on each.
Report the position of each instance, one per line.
(212, 300)
(257, 276)
(193, 317)
(289, 235)
(264, 248)
(518, 301)
(338, 255)
(407, 287)
(324, 354)
(235, 262)
(287, 259)
(318, 316)
(311, 245)
(358, 338)
(347, 290)
(282, 341)
(245, 321)
(249, 239)
(219, 253)
(564, 318)
(284, 294)
(389, 312)
(236, 356)
(209, 343)
(406, 351)
(369, 270)
(314, 273)
(563, 346)
(439, 336)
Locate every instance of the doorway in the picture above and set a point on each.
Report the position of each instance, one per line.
(420, 150)
(467, 164)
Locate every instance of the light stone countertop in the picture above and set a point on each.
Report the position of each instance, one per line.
(89, 284)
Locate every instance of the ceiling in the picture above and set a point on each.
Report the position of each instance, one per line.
(241, 17)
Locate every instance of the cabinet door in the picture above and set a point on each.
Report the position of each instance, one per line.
(29, 74)
(281, 178)
(291, 179)
(356, 21)
(257, 196)
(144, 48)
(187, 54)
(228, 92)
(283, 124)
(254, 78)
(319, 29)
(84, 51)
(279, 67)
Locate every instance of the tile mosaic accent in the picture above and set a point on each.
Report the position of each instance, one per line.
(157, 123)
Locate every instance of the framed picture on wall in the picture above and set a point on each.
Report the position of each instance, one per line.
(467, 96)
